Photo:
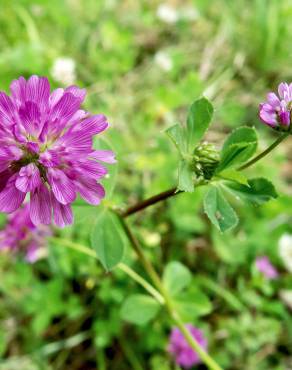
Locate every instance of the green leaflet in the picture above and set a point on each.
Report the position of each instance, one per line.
(139, 309)
(107, 239)
(219, 211)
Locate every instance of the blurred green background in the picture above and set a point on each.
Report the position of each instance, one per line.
(143, 63)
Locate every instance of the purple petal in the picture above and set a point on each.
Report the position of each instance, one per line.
(7, 110)
(50, 158)
(273, 100)
(92, 169)
(32, 147)
(283, 90)
(10, 197)
(90, 190)
(30, 117)
(268, 118)
(65, 108)
(55, 97)
(28, 178)
(4, 177)
(9, 154)
(38, 90)
(62, 187)
(93, 125)
(77, 118)
(268, 108)
(77, 92)
(285, 118)
(290, 89)
(18, 90)
(78, 142)
(62, 213)
(40, 206)
(103, 155)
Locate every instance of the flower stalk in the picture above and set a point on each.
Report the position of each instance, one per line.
(159, 293)
(173, 191)
(205, 357)
(122, 266)
(265, 152)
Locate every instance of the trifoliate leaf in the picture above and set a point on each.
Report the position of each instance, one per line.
(258, 190)
(139, 309)
(219, 211)
(240, 145)
(176, 277)
(243, 134)
(192, 303)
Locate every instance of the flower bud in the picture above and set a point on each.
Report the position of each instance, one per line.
(205, 160)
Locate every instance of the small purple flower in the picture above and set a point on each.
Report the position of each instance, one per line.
(46, 149)
(21, 235)
(183, 354)
(276, 111)
(264, 266)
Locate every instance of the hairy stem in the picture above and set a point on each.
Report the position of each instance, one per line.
(123, 267)
(173, 191)
(150, 201)
(205, 357)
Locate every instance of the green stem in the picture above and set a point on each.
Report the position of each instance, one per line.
(205, 357)
(145, 262)
(101, 359)
(123, 267)
(142, 282)
(265, 152)
(173, 191)
(76, 246)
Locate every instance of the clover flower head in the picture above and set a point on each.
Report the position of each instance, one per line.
(183, 354)
(20, 235)
(264, 265)
(46, 150)
(276, 111)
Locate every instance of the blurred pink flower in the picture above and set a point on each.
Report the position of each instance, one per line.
(21, 235)
(183, 354)
(264, 266)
